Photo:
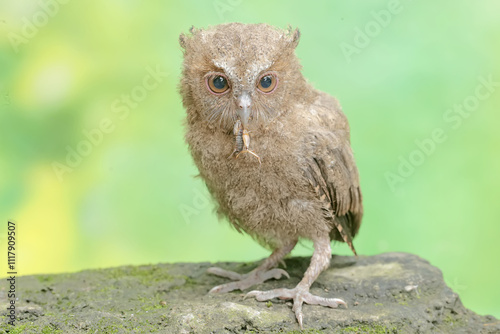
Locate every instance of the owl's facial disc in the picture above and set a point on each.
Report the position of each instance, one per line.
(244, 105)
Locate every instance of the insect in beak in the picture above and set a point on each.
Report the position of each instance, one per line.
(242, 141)
(241, 134)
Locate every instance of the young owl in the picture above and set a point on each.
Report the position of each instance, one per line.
(274, 152)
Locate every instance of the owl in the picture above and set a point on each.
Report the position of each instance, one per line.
(273, 151)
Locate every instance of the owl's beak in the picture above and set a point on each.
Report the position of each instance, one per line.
(244, 104)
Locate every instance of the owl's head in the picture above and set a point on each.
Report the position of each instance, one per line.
(240, 71)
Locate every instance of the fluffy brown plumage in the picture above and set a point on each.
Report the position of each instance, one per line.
(306, 184)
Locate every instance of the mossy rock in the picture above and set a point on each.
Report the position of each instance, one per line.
(172, 298)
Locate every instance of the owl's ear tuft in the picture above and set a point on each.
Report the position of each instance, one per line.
(185, 39)
(182, 41)
(294, 36)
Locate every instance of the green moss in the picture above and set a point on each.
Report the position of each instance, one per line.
(45, 279)
(373, 329)
(150, 307)
(104, 326)
(402, 299)
(146, 275)
(269, 304)
(18, 329)
(379, 304)
(451, 321)
(51, 330)
(151, 303)
(306, 331)
(189, 281)
(448, 319)
(246, 265)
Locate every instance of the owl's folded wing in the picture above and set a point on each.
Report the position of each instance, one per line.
(333, 175)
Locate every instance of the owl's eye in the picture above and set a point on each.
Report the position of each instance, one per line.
(217, 84)
(267, 83)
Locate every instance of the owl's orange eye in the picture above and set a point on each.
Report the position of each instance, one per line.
(267, 83)
(217, 84)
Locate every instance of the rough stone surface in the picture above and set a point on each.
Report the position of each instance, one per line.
(172, 298)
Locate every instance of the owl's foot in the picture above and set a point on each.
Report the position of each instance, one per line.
(244, 281)
(299, 295)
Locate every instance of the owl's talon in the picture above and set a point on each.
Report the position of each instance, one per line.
(244, 281)
(299, 295)
(225, 273)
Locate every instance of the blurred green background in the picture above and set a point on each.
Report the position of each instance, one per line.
(132, 199)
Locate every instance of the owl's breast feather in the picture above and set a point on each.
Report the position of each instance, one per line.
(271, 199)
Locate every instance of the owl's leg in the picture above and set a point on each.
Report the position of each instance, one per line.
(259, 275)
(300, 294)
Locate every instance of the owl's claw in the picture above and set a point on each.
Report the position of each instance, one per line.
(299, 295)
(244, 281)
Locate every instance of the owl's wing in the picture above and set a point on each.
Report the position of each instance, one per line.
(332, 172)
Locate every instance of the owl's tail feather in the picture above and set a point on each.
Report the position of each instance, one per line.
(340, 224)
